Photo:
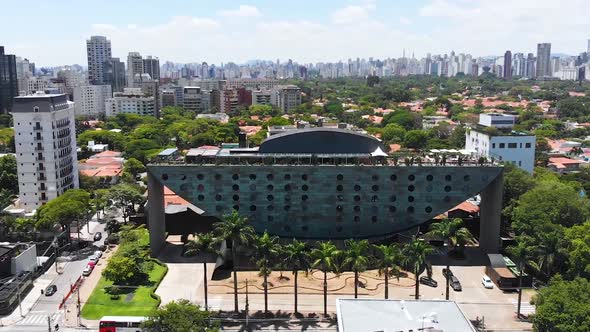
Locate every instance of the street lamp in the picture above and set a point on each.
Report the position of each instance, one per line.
(55, 247)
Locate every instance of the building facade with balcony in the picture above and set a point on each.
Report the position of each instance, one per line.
(45, 141)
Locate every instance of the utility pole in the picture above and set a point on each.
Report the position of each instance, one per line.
(78, 306)
(247, 303)
(48, 323)
(20, 307)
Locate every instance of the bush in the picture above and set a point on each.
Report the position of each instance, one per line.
(112, 239)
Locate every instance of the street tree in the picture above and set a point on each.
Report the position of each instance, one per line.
(324, 258)
(181, 315)
(124, 197)
(357, 259)
(297, 257)
(387, 262)
(266, 249)
(205, 245)
(415, 259)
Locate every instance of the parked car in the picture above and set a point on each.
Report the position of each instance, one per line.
(87, 270)
(447, 273)
(487, 282)
(455, 284)
(428, 281)
(50, 290)
(94, 258)
(97, 236)
(91, 264)
(98, 253)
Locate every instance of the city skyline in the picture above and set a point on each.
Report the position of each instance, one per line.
(304, 32)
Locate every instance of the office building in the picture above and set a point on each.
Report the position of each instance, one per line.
(196, 100)
(502, 144)
(507, 65)
(151, 66)
(288, 98)
(530, 70)
(98, 50)
(23, 74)
(168, 98)
(45, 141)
(132, 101)
(90, 99)
(543, 60)
(115, 74)
(264, 97)
(134, 69)
(8, 81)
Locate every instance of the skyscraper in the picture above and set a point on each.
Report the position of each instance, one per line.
(8, 81)
(543, 60)
(134, 67)
(508, 65)
(530, 66)
(151, 66)
(115, 74)
(45, 147)
(98, 49)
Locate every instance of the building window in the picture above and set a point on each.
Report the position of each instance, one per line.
(502, 145)
(512, 145)
(527, 145)
(493, 145)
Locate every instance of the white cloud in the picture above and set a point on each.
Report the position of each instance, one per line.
(242, 11)
(353, 13)
(405, 21)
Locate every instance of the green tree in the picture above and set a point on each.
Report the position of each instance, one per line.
(404, 118)
(205, 245)
(236, 231)
(133, 167)
(72, 205)
(416, 139)
(393, 133)
(125, 196)
(387, 261)
(297, 257)
(176, 316)
(324, 259)
(415, 259)
(577, 241)
(563, 306)
(357, 259)
(123, 270)
(454, 234)
(266, 250)
(522, 254)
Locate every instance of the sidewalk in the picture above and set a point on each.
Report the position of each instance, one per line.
(29, 301)
(85, 290)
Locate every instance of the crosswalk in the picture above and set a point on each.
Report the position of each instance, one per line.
(525, 308)
(39, 318)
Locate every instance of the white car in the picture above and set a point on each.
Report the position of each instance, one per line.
(98, 253)
(487, 282)
(87, 270)
(94, 258)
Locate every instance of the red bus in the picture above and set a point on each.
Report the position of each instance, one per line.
(120, 324)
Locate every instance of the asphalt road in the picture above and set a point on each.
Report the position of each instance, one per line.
(48, 306)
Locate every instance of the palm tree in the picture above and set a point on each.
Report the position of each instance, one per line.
(325, 260)
(235, 230)
(357, 259)
(266, 249)
(205, 244)
(415, 259)
(521, 253)
(387, 262)
(454, 234)
(296, 256)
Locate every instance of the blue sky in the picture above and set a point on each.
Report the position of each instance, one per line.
(54, 32)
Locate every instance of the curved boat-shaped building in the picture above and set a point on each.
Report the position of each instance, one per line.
(325, 184)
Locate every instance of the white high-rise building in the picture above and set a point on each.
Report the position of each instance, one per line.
(45, 141)
(23, 75)
(131, 100)
(90, 99)
(134, 67)
(98, 49)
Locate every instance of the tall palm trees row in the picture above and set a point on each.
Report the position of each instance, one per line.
(296, 256)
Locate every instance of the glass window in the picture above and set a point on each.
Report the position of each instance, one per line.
(527, 145)
(512, 145)
(502, 145)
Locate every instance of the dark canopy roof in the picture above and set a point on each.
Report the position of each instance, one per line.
(321, 141)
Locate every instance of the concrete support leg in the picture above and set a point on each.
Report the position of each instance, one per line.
(490, 216)
(156, 214)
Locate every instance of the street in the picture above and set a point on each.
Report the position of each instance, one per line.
(48, 306)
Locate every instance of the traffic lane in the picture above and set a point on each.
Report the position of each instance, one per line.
(71, 272)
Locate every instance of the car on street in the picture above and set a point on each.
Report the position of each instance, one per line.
(50, 290)
(98, 253)
(94, 258)
(97, 236)
(447, 273)
(487, 282)
(428, 281)
(87, 270)
(91, 264)
(455, 284)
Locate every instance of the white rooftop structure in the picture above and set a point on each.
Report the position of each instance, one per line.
(371, 315)
(497, 120)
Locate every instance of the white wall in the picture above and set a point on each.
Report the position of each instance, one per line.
(500, 148)
(26, 261)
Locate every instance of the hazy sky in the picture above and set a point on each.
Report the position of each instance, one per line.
(54, 32)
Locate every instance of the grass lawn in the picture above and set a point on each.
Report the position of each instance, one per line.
(100, 303)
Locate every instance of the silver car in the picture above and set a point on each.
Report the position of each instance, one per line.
(487, 282)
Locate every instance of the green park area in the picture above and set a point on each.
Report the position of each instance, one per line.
(128, 283)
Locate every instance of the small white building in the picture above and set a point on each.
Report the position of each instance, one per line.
(497, 120)
(131, 100)
(45, 141)
(502, 144)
